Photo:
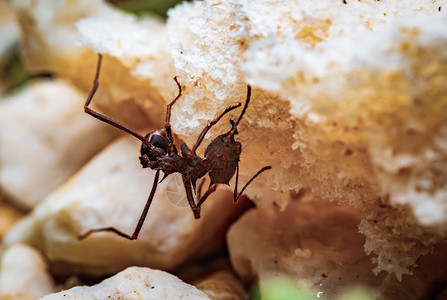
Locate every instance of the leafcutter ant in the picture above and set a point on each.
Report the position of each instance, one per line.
(159, 153)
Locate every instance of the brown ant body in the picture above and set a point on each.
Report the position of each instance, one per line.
(158, 152)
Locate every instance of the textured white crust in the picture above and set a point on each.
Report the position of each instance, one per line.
(349, 100)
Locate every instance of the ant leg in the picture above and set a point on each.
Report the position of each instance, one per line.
(208, 127)
(237, 195)
(199, 192)
(210, 190)
(106, 119)
(168, 112)
(189, 195)
(137, 230)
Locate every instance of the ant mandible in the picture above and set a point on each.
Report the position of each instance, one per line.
(159, 153)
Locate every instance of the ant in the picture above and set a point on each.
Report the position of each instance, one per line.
(159, 152)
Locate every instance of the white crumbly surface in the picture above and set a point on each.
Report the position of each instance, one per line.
(134, 283)
(308, 47)
(348, 100)
(45, 138)
(110, 191)
(313, 64)
(24, 274)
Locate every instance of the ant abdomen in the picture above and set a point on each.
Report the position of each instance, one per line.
(223, 154)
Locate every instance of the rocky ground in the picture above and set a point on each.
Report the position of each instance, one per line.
(348, 106)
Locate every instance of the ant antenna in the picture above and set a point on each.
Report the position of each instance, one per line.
(105, 118)
(247, 100)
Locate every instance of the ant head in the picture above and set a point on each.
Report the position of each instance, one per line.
(160, 142)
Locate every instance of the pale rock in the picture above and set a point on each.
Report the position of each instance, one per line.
(138, 43)
(9, 215)
(134, 283)
(137, 67)
(9, 34)
(49, 36)
(222, 285)
(45, 137)
(316, 243)
(111, 190)
(24, 274)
